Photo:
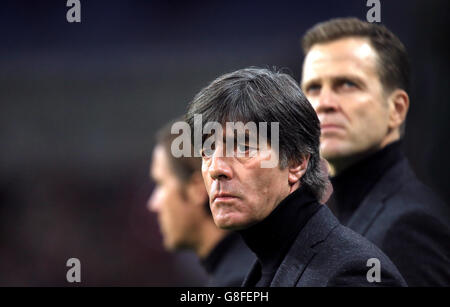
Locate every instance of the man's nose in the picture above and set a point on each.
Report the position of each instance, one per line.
(152, 202)
(327, 101)
(220, 166)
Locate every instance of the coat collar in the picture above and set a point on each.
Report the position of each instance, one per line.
(375, 201)
(305, 246)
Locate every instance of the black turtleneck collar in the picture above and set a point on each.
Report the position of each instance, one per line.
(353, 184)
(271, 238)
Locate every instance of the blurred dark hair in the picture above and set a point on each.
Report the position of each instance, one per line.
(393, 63)
(182, 167)
(263, 95)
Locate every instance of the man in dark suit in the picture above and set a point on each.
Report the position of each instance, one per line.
(356, 75)
(266, 183)
(181, 203)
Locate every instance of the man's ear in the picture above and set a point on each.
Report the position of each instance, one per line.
(297, 170)
(398, 108)
(196, 190)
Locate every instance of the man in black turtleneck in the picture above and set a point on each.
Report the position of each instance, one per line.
(269, 191)
(356, 75)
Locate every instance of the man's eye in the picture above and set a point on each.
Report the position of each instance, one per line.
(348, 84)
(207, 152)
(242, 147)
(313, 89)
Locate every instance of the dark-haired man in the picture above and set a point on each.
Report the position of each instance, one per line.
(181, 203)
(298, 241)
(356, 75)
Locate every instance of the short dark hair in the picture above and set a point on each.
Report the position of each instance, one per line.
(393, 63)
(263, 95)
(182, 167)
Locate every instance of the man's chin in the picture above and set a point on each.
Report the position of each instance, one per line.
(174, 246)
(229, 223)
(169, 246)
(334, 150)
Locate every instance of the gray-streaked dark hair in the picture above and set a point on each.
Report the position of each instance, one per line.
(263, 95)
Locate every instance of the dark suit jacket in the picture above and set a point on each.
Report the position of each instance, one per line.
(410, 224)
(325, 253)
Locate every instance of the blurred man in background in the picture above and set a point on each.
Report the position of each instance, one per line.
(181, 203)
(356, 75)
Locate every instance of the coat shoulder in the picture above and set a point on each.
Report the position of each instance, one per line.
(410, 195)
(345, 258)
(412, 227)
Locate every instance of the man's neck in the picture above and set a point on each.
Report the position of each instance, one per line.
(209, 236)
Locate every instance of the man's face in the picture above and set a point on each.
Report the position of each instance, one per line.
(177, 219)
(341, 82)
(241, 193)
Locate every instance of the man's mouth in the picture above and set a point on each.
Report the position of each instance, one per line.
(330, 126)
(330, 129)
(223, 197)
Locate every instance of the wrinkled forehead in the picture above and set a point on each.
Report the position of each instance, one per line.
(159, 165)
(342, 48)
(249, 131)
(345, 56)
